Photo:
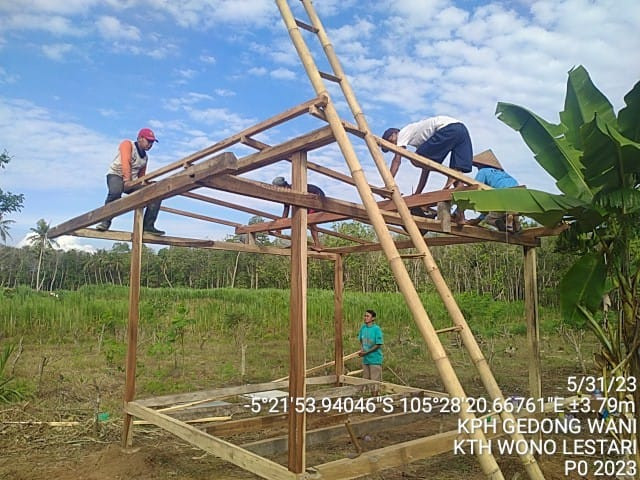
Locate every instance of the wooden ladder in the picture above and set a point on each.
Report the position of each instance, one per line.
(442, 362)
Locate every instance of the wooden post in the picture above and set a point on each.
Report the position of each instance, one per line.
(338, 290)
(132, 327)
(533, 331)
(298, 320)
(444, 215)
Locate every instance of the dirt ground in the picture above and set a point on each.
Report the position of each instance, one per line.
(91, 450)
(46, 453)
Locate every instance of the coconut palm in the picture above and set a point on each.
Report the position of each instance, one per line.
(39, 238)
(4, 229)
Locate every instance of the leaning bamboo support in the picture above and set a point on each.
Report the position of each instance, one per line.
(454, 388)
(529, 462)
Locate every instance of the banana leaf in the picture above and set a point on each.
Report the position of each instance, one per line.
(611, 161)
(582, 102)
(629, 116)
(583, 285)
(551, 148)
(546, 208)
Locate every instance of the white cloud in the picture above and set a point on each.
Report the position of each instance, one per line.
(53, 24)
(33, 166)
(64, 243)
(232, 122)
(258, 71)
(108, 112)
(223, 92)
(63, 7)
(208, 13)
(210, 59)
(186, 73)
(190, 98)
(283, 74)
(57, 51)
(111, 28)
(6, 77)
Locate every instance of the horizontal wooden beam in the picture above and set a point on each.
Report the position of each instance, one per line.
(384, 458)
(278, 119)
(233, 206)
(404, 244)
(264, 214)
(199, 216)
(167, 187)
(321, 436)
(304, 143)
(120, 236)
(258, 145)
(226, 451)
(218, 393)
(333, 210)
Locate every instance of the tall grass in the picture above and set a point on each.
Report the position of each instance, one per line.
(91, 310)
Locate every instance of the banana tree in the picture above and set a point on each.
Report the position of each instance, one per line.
(594, 156)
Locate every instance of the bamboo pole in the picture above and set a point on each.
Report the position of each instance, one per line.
(132, 327)
(438, 354)
(487, 461)
(324, 365)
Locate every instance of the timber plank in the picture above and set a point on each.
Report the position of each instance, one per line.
(221, 448)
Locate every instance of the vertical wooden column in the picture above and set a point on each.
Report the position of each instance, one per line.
(533, 331)
(338, 294)
(132, 327)
(298, 319)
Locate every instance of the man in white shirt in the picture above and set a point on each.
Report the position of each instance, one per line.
(433, 138)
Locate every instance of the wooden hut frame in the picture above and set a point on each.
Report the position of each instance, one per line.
(216, 168)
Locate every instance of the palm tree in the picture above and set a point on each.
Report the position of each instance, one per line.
(39, 238)
(4, 229)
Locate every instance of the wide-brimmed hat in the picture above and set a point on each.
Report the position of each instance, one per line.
(486, 159)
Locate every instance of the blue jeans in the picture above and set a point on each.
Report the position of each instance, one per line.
(453, 138)
(115, 184)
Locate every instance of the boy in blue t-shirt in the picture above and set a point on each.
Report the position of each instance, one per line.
(371, 341)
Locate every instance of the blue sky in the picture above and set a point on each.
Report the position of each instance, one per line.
(78, 76)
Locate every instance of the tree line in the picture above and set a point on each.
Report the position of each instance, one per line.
(483, 268)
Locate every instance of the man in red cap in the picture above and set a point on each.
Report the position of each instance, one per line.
(130, 164)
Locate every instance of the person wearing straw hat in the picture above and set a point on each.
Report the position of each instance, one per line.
(434, 138)
(491, 173)
(314, 189)
(129, 164)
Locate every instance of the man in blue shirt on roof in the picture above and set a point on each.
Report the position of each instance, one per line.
(491, 173)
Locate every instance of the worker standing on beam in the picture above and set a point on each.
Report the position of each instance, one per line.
(130, 164)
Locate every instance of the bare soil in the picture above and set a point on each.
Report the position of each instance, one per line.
(76, 383)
